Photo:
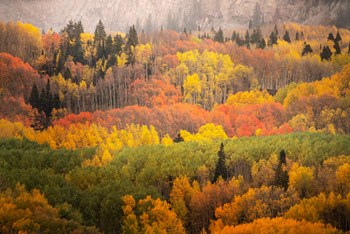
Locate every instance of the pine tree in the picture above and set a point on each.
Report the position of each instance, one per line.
(219, 36)
(326, 53)
(272, 39)
(297, 36)
(78, 51)
(281, 174)
(131, 43)
(307, 49)
(221, 168)
(261, 44)
(276, 30)
(118, 44)
(133, 39)
(250, 25)
(338, 37)
(349, 49)
(109, 48)
(47, 104)
(178, 138)
(286, 37)
(257, 16)
(256, 36)
(34, 97)
(100, 33)
(247, 39)
(330, 37)
(337, 47)
(234, 36)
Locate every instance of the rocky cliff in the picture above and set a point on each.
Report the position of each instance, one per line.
(117, 15)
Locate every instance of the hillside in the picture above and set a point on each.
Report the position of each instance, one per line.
(118, 14)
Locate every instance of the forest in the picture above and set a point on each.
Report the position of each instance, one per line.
(219, 131)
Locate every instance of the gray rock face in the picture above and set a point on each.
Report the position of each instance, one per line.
(117, 15)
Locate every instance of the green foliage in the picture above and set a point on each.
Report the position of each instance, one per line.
(219, 36)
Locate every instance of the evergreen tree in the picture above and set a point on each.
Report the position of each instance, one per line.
(307, 49)
(326, 53)
(257, 16)
(78, 51)
(131, 43)
(247, 39)
(234, 36)
(297, 36)
(133, 39)
(100, 33)
(276, 30)
(349, 49)
(34, 97)
(79, 29)
(256, 36)
(338, 37)
(178, 138)
(70, 30)
(67, 73)
(109, 48)
(118, 44)
(219, 36)
(47, 101)
(337, 47)
(272, 39)
(330, 37)
(286, 37)
(261, 44)
(281, 174)
(221, 168)
(250, 25)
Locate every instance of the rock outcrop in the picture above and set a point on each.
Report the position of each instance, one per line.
(117, 15)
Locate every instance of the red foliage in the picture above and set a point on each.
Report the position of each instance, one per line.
(16, 77)
(153, 93)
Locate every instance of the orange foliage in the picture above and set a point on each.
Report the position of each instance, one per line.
(16, 77)
(277, 225)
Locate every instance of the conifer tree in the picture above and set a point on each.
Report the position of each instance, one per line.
(219, 36)
(118, 44)
(272, 39)
(131, 43)
(178, 138)
(221, 168)
(247, 39)
(330, 37)
(281, 174)
(338, 37)
(261, 44)
(297, 36)
(34, 97)
(337, 47)
(257, 16)
(286, 37)
(100, 33)
(307, 49)
(234, 36)
(256, 36)
(326, 53)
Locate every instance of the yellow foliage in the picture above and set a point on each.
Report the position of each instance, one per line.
(301, 179)
(343, 178)
(208, 132)
(249, 98)
(278, 225)
(166, 140)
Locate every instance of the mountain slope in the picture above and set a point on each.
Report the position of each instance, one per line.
(150, 14)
